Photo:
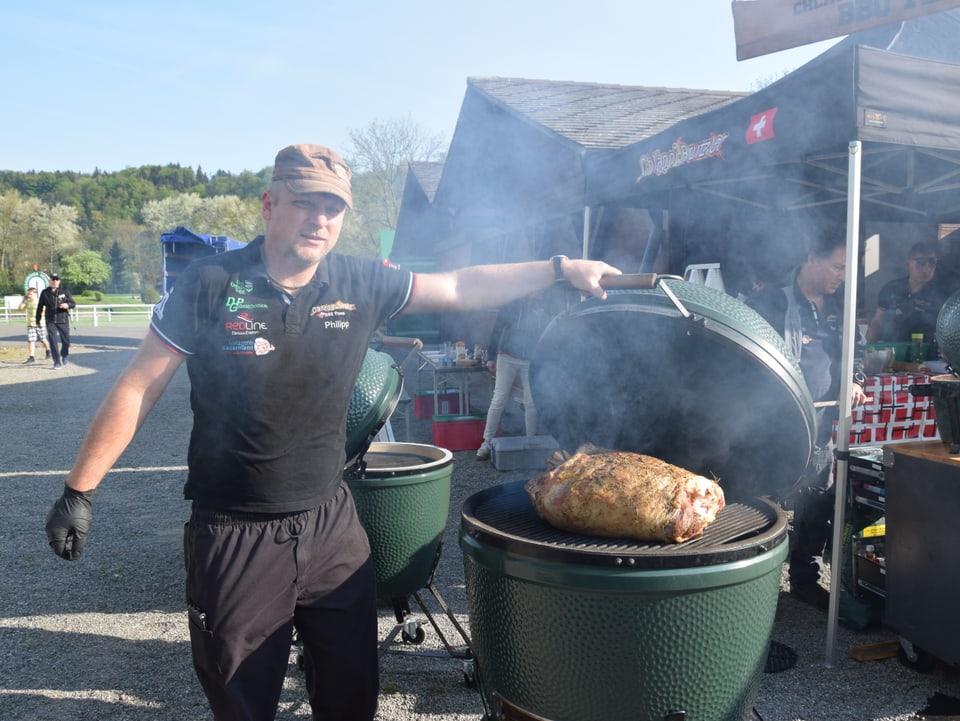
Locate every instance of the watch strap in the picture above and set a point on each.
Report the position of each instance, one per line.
(557, 261)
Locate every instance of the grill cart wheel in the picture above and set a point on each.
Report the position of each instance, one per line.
(413, 633)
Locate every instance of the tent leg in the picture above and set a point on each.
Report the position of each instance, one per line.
(846, 370)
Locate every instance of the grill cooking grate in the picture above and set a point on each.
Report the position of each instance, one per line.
(504, 517)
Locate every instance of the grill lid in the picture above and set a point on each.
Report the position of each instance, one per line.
(716, 391)
(503, 517)
(375, 396)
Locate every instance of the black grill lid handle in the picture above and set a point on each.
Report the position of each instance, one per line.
(629, 281)
(644, 281)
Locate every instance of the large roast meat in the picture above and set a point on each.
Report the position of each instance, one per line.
(628, 495)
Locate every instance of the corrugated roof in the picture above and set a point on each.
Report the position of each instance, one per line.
(599, 116)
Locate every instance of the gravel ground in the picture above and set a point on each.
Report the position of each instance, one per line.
(105, 638)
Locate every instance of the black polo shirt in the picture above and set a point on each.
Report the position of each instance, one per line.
(908, 313)
(271, 377)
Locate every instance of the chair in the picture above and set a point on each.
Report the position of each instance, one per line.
(707, 274)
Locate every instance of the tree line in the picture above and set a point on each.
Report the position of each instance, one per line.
(101, 230)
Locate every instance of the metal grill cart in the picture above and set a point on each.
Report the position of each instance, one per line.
(402, 494)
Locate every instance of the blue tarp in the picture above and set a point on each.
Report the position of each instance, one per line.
(181, 246)
(185, 235)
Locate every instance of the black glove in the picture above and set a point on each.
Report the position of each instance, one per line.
(68, 523)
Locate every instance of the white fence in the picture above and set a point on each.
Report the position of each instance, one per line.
(94, 315)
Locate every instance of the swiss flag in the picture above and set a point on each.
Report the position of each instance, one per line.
(761, 126)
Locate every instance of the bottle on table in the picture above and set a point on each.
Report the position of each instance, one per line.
(916, 354)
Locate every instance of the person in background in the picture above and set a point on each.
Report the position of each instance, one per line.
(35, 331)
(274, 542)
(910, 304)
(516, 331)
(808, 313)
(54, 308)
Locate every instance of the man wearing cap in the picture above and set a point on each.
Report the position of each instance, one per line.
(54, 307)
(274, 336)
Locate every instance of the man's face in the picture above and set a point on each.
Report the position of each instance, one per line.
(55, 283)
(829, 272)
(921, 268)
(302, 226)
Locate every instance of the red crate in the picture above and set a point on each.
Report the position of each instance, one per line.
(449, 402)
(458, 433)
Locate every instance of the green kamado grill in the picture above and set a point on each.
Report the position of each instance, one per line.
(948, 331)
(402, 495)
(567, 627)
(375, 396)
(945, 388)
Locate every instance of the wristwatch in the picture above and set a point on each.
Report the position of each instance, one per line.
(860, 379)
(557, 261)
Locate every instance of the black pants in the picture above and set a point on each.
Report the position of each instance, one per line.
(812, 518)
(255, 578)
(61, 331)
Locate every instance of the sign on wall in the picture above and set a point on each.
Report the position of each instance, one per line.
(766, 26)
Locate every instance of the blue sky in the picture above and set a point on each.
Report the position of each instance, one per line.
(111, 84)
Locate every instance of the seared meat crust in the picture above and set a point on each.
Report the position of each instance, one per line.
(628, 495)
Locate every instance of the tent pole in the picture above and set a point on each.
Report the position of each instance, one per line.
(850, 333)
(586, 232)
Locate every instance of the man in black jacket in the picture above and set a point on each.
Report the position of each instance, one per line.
(54, 306)
(808, 313)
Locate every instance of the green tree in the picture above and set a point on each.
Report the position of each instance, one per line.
(229, 215)
(85, 270)
(117, 263)
(55, 227)
(379, 156)
(163, 215)
(17, 242)
(221, 215)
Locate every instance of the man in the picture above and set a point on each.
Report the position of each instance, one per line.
(54, 306)
(273, 541)
(808, 313)
(35, 331)
(910, 304)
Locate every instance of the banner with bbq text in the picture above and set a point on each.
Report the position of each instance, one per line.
(766, 26)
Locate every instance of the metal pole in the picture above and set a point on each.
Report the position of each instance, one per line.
(846, 375)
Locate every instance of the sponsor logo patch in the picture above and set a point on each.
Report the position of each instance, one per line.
(253, 346)
(234, 304)
(245, 324)
(334, 315)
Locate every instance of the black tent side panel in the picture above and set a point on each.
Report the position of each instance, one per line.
(907, 101)
(810, 110)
